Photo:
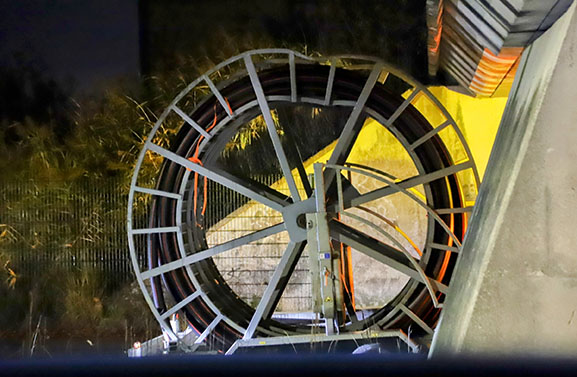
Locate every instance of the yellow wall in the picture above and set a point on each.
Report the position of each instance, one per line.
(478, 119)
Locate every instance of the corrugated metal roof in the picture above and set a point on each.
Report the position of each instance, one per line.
(479, 42)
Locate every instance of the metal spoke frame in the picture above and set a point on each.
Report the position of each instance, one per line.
(432, 286)
(376, 69)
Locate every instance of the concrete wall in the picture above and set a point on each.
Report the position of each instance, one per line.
(515, 287)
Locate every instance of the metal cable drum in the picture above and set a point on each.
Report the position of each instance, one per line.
(274, 114)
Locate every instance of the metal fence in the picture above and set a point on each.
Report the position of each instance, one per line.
(65, 226)
(58, 226)
(247, 269)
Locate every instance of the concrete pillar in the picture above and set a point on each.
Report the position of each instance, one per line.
(514, 290)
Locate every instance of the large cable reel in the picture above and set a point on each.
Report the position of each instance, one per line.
(255, 143)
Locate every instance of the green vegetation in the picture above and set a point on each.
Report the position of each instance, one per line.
(66, 173)
(63, 254)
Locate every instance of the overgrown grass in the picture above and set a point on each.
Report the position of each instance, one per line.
(46, 216)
